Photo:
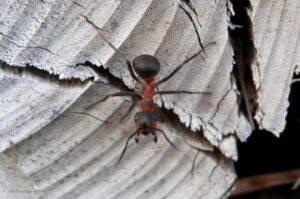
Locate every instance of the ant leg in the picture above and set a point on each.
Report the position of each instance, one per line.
(134, 103)
(131, 72)
(128, 139)
(113, 124)
(125, 93)
(181, 65)
(128, 64)
(156, 129)
(179, 92)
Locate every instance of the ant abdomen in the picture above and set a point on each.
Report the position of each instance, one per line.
(146, 66)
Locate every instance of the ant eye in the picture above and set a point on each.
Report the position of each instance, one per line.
(146, 66)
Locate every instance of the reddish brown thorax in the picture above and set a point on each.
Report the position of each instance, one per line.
(147, 103)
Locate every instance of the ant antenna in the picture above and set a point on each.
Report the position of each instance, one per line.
(128, 139)
(164, 134)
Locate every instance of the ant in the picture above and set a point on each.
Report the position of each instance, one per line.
(146, 67)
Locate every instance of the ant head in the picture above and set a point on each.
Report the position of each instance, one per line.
(146, 66)
(145, 118)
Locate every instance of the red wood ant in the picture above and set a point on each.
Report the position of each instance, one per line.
(146, 67)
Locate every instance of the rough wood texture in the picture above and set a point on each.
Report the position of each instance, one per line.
(66, 155)
(276, 37)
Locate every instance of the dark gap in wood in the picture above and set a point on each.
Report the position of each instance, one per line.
(245, 52)
(43, 75)
(175, 122)
(110, 79)
(265, 153)
(105, 76)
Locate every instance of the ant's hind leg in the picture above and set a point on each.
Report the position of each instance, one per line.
(135, 101)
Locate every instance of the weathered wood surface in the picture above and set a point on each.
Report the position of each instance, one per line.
(66, 155)
(276, 37)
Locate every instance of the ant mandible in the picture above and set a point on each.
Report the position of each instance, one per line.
(146, 67)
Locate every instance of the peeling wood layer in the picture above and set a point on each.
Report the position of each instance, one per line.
(276, 34)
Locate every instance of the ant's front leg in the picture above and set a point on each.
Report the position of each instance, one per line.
(125, 93)
(131, 72)
(181, 65)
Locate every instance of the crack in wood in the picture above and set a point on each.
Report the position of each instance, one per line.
(194, 24)
(245, 52)
(43, 74)
(223, 97)
(77, 4)
(42, 48)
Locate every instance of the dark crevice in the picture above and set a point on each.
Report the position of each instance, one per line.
(244, 54)
(44, 75)
(181, 130)
(105, 74)
(191, 6)
(174, 121)
(263, 153)
(41, 74)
